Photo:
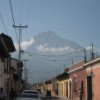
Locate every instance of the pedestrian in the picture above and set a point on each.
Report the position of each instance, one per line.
(48, 93)
(12, 94)
(80, 93)
(3, 95)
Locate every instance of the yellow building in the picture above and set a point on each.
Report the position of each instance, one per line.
(63, 85)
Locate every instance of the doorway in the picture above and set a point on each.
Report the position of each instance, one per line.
(89, 87)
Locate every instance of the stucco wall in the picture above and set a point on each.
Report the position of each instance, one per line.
(95, 69)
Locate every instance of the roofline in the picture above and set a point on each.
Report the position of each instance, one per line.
(90, 62)
(82, 67)
(76, 63)
(76, 69)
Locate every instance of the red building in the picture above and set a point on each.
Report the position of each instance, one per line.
(77, 77)
(85, 80)
(93, 79)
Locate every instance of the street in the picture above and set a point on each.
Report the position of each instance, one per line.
(54, 98)
(50, 98)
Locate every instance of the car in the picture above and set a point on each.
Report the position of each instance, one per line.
(31, 91)
(29, 95)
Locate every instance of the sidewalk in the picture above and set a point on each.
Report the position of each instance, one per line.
(63, 98)
(53, 96)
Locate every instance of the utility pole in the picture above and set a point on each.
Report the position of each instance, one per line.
(92, 51)
(25, 70)
(85, 54)
(25, 73)
(20, 27)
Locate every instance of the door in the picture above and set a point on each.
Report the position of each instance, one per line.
(89, 88)
(66, 89)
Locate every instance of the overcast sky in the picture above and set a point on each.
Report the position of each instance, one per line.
(75, 20)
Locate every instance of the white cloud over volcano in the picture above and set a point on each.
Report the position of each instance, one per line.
(25, 44)
(44, 48)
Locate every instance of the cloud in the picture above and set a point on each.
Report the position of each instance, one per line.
(88, 47)
(44, 48)
(95, 49)
(25, 44)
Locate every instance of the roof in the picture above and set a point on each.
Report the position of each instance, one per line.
(3, 49)
(6, 45)
(48, 81)
(92, 62)
(61, 76)
(8, 42)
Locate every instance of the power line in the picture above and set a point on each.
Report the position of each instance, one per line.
(12, 12)
(11, 9)
(31, 53)
(3, 23)
(21, 11)
(30, 2)
(28, 14)
(25, 70)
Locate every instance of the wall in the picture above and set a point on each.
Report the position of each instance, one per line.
(77, 77)
(95, 71)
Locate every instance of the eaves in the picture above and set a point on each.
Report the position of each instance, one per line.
(76, 70)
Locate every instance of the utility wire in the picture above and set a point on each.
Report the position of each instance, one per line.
(3, 23)
(27, 20)
(11, 9)
(55, 59)
(30, 53)
(21, 11)
(28, 14)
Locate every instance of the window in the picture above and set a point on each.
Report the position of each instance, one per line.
(74, 84)
(7, 64)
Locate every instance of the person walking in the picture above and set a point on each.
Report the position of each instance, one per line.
(3, 95)
(12, 94)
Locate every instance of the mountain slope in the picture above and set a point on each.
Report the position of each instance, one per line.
(51, 40)
(48, 55)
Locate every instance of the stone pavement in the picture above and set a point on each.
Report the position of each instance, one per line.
(53, 97)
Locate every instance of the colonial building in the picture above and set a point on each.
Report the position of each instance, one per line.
(63, 85)
(77, 77)
(81, 81)
(16, 74)
(93, 79)
(48, 85)
(6, 47)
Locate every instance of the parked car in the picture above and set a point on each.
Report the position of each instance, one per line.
(29, 95)
(31, 91)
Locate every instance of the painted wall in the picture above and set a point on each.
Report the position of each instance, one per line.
(64, 88)
(94, 70)
(3, 76)
(77, 77)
